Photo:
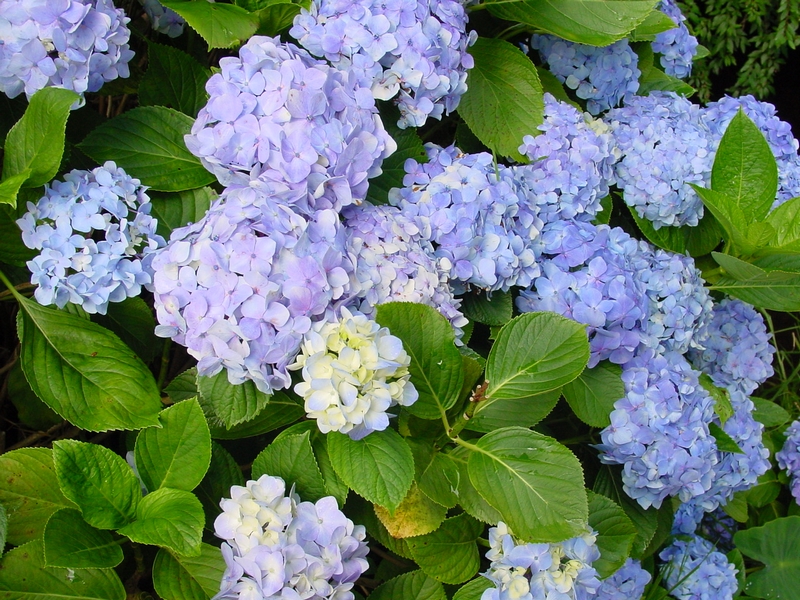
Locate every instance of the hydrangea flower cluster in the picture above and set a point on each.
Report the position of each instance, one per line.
(240, 287)
(659, 431)
(571, 163)
(395, 263)
(307, 132)
(719, 114)
(353, 371)
(96, 238)
(665, 146)
(715, 526)
(601, 76)
(415, 50)
(627, 583)
(694, 570)
(73, 44)
(277, 547)
(162, 19)
(541, 571)
(479, 220)
(677, 46)
(788, 458)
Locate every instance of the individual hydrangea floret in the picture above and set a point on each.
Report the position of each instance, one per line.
(541, 571)
(627, 583)
(96, 238)
(665, 146)
(277, 546)
(310, 134)
(677, 46)
(694, 570)
(353, 371)
(162, 19)
(572, 163)
(412, 50)
(478, 218)
(778, 133)
(735, 348)
(788, 458)
(659, 431)
(72, 44)
(601, 76)
(395, 263)
(240, 287)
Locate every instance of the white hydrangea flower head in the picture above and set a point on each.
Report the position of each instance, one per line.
(353, 371)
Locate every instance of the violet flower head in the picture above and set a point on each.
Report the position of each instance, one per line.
(789, 458)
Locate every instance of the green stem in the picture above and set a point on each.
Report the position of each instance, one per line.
(11, 287)
(476, 397)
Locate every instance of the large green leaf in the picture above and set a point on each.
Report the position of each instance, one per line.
(785, 220)
(172, 519)
(769, 413)
(148, 143)
(233, 404)
(474, 589)
(84, 372)
(777, 545)
(70, 542)
(173, 79)
(533, 481)
(504, 99)
(99, 481)
(132, 320)
(416, 585)
(468, 497)
(615, 533)
(281, 410)
(449, 554)
(30, 410)
(220, 25)
(439, 481)
(697, 241)
(740, 233)
(593, 22)
(177, 577)
(277, 16)
(495, 311)
(379, 467)
(23, 576)
(3, 528)
(773, 290)
(291, 458)
(416, 515)
(333, 483)
(10, 186)
(523, 412)
(592, 395)
(30, 493)
(535, 353)
(222, 474)
(176, 209)
(436, 365)
(177, 454)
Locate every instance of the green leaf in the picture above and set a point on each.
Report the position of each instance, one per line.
(84, 372)
(99, 481)
(132, 320)
(183, 387)
(379, 467)
(30, 410)
(449, 554)
(697, 241)
(440, 480)
(722, 400)
(172, 519)
(654, 79)
(736, 507)
(592, 395)
(281, 410)
(3, 529)
(768, 413)
(177, 577)
(730, 218)
(233, 404)
(777, 545)
(173, 79)
(23, 576)
(276, 17)
(535, 483)
(592, 22)
(408, 146)
(71, 542)
(148, 143)
(416, 585)
(220, 25)
(428, 338)
(469, 498)
(10, 186)
(535, 353)
(745, 169)
(725, 443)
(30, 493)
(653, 24)
(177, 454)
(773, 290)
(523, 412)
(222, 474)
(416, 515)
(36, 142)
(176, 209)
(615, 533)
(292, 458)
(504, 99)
(474, 589)
(12, 250)
(785, 220)
(765, 491)
(495, 311)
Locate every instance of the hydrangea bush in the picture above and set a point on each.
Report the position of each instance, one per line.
(293, 318)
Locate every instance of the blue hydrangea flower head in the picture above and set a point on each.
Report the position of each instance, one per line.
(572, 163)
(778, 133)
(277, 546)
(694, 570)
(414, 51)
(677, 46)
(665, 146)
(601, 76)
(96, 238)
(73, 44)
(240, 287)
(308, 133)
(715, 526)
(479, 219)
(162, 19)
(788, 458)
(627, 583)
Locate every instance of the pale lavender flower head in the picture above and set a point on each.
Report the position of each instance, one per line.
(627, 583)
(677, 46)
(789, 458)
(694, 570)
(162, 19)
